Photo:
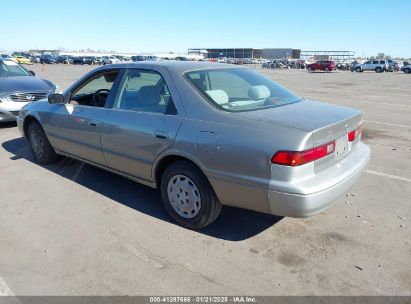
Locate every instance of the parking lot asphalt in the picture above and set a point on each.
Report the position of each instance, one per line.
(72, 229)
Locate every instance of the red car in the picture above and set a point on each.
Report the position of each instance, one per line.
(324, 65)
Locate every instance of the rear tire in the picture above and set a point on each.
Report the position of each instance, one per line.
(407, 71)
(378, 70)
(40, 146)
(326, 69)
(188, 196)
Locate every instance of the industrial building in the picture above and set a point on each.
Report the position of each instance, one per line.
(328, 55)
(267, 53)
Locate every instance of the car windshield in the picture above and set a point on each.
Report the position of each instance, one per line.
(238, 90)
(9, 68)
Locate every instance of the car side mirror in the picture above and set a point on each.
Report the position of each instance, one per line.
(32, 73)
(56, 98)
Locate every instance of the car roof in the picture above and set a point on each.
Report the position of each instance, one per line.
(175, 66)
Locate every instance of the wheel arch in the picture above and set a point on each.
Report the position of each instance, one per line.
(27, 121)
(164, 161)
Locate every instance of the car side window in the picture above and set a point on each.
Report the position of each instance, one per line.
(375, 62)
(95, 90)
(367, 62)
(144, 91)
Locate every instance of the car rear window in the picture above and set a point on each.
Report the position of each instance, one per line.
(237, 90)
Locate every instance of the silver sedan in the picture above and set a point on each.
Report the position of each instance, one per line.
(205, 135)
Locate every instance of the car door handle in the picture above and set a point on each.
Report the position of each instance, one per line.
(160, 134)
(93, 123)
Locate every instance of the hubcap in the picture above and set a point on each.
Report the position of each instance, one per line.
(184, 196)
(36, 143)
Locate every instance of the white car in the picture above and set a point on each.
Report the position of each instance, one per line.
(125, 59)
(110, 60)
(378, 66)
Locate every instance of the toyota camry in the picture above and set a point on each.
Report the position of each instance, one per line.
(205, 135)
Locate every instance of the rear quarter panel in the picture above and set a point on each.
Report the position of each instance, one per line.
(236, 157)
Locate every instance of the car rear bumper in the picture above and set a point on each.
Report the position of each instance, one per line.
(306, 200)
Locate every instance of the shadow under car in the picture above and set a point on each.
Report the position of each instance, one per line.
(233, 224)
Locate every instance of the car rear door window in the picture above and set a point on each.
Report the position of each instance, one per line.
(144, 91)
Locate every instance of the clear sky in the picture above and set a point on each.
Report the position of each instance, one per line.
(364, 26)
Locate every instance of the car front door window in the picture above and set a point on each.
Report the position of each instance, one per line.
(94, 92)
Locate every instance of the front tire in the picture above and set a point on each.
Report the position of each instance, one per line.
(407, 71)
(40, 146)
(188, 196)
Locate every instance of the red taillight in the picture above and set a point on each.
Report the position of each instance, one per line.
(298, 158)
(353, 135)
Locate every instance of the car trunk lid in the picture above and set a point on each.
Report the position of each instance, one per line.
(325, 122)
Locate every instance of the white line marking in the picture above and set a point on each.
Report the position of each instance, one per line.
(384, 103)
(387, 124)
(390, 176)
(5, 289)
(144, 257)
